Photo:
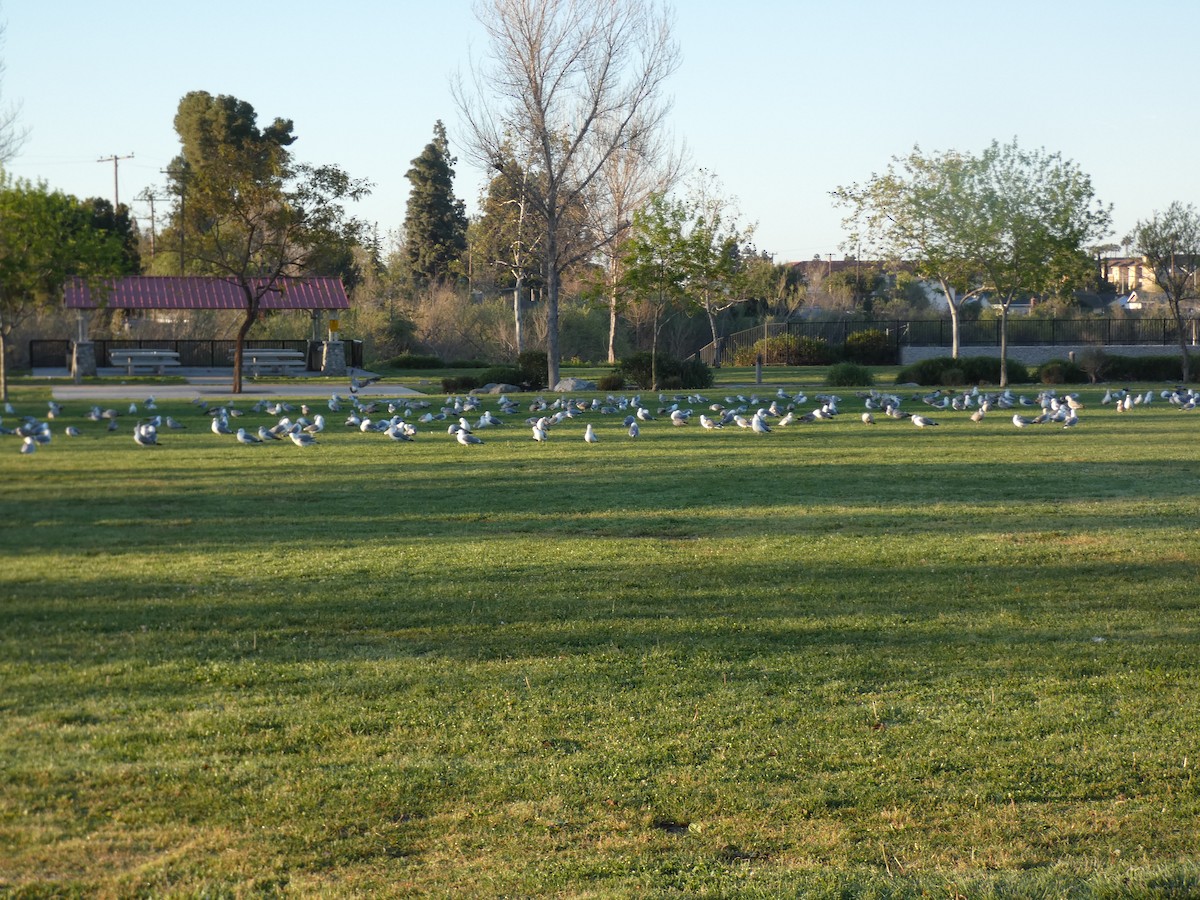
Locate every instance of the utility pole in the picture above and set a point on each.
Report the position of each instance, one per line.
(148, 196)
(180, 175)
(114, 159)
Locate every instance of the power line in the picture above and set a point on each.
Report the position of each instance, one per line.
(114, 159)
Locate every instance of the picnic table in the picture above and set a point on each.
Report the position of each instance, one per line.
(134, 359)
(273, 360)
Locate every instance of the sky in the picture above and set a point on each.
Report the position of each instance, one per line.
(782, 100)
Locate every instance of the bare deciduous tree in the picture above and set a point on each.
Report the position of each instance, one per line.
(12, 135)
(566, 85)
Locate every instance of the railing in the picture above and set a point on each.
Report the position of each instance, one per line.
(973, 333)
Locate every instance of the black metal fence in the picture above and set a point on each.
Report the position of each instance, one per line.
(975, 333)
(194, 354)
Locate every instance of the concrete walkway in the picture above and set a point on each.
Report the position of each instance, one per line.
(208, 383)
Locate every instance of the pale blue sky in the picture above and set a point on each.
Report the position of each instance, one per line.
(783, 99)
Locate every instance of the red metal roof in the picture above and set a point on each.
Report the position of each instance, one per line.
(176, 292)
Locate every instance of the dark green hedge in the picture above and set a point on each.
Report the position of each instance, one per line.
(944, 370)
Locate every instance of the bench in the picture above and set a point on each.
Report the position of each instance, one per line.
(135, 359)
(274, 360)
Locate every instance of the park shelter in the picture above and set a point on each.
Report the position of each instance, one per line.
(201, 292)
(315, 295)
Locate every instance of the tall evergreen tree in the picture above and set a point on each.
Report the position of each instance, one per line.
(435, 223)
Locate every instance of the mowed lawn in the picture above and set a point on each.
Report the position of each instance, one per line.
(834, 660)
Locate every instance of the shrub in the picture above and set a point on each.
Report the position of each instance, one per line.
(925, 372)
(953, 376)
(413, 361)
(870, 348)
(1093, 361)
(456, 383)
(973, 369)
(786, 350)
(613, 381)
(695, 374)
(1148, 368)
(672, 374)
(467, 364)
(1060, 371)
(848, 374)
(534, 369)
(500, 375)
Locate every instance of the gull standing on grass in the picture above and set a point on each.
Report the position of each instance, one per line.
(467, 439)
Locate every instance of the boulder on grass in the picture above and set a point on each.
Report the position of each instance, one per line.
(571, 385)
(501, 388)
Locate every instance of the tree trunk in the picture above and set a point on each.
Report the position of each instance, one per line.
(519, 331)
(612, 326)
(551, 324)
(3, 366)
(654, 351)
(1185, 360)
(712, 325)
(1004, 343)
(953, 330)
(240, 346)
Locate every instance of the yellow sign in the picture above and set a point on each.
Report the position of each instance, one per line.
(333, 325)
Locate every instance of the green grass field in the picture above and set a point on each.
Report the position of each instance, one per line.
(835, 660)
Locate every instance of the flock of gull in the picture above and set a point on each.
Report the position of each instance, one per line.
(464, 419)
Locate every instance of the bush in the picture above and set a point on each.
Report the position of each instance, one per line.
(953, 377)
(1060, 371)
(1093, 361)
(973, 369)
(413, 361)
(695, 374)
(500, 375)
(786, 350)
(467, 364)
(1148, 368)
(613, 381)
(870, 348)
(534, 367)
(456, 383)
(672, 373)
(848, 374)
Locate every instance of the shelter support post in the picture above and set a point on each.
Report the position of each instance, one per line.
(333, 358)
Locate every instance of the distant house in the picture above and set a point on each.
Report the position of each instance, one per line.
(1128, 274)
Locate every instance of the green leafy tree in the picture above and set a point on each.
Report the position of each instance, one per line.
(1032, 215)
(701, 241)
(715, 240)
(657, 262)
(46, 237)
(778, 289)
(120, 224)
(249, 213)
(1170, 244)
(1008, 222)
(918, 212)
(435, 223)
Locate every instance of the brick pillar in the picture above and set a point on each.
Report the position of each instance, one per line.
(83, 360)
(333, 358)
